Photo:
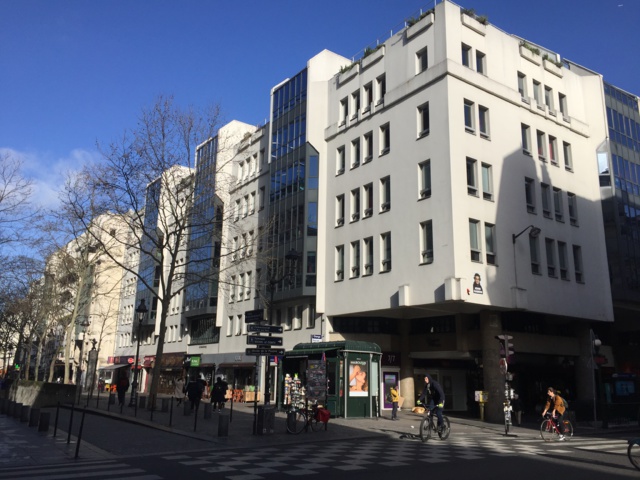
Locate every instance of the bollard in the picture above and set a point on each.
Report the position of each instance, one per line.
(143, 402)
(165, 404)
(3, 405)
(34, 417)
(43, 424)
(24, 413)
(10, 407)
(187, 408)
(223, 425)
(112, 399)
(17, 410)
(207, 410)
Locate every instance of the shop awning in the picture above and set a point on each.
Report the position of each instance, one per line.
(347, 346)
(237, 365)
(114, 367)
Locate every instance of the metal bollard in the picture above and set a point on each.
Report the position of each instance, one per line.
(165, 404)
(24, 413)
(17, 410)
(34, 417)
(143, 402)
(223, 425)
(43, 424)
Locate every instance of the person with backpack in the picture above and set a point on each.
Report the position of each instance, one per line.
(218, 393)
(559, 409)
(121, 387)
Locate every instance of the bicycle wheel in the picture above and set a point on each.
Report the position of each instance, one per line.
(446, 428)
(425, 429)
(315, 424)
(568, 429)
(633, 452)
(296, 421)
(548, 431)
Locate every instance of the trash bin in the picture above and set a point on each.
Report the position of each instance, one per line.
(266, 420)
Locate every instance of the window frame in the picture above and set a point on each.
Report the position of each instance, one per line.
(426, 242)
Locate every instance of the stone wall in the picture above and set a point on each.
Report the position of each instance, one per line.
(41, 394)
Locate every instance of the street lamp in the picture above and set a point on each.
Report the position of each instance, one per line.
(141, 311)
(596, 343)
(533, 233)
(291, 259)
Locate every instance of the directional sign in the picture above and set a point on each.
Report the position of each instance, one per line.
(264, 351)
(264, 328)
(253, 316)
(257, 340)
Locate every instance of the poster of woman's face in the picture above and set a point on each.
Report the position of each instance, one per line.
(358, 382)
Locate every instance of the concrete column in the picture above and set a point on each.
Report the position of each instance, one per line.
(491, 325)
(407, 388)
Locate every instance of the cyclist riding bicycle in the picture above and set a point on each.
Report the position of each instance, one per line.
(558, 409)
(435, 395)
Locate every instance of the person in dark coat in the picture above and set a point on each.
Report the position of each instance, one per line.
(194, 392)
(433, 391)
(121, 387)
(218, 392)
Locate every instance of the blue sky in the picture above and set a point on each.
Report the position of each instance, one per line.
(73, 72)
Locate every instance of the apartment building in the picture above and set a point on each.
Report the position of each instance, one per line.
(460, 186)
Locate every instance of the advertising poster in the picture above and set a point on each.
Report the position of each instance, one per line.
(358, 381)
(390, 380)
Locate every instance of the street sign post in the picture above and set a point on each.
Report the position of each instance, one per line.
(257, 340)
(253, 316)
(264, 328)
(264, 351)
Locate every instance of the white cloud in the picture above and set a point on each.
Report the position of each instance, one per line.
(48, 173)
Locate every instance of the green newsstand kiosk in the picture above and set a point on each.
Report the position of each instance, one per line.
(343, 376)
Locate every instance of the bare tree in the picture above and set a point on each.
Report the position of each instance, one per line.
(15, 193)
(147, 180)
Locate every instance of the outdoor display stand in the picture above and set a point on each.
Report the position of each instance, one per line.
(343, 377)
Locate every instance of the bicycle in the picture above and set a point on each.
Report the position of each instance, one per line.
(299, 419)
(428, 427)
(549, 429)
(633, 452)
(508, 410)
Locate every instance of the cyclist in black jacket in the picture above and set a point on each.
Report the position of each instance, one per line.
(433, 392)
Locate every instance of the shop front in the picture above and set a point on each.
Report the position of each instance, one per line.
(344, 377)
(170, 371)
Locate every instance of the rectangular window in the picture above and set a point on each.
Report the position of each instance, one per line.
(572, 203)
(367, 192)
(339, 263)
(577, 264)
(340, 161)
(466, 55)
(530, 194)
(562, 261)
(522, 86)
(344, 111)
(542, 148)
(230, 325)
(368, 256)
(490, 243)
(355, 205)
(368, 97)
(385, 139)
(481, 63)
(526, 140)
(534, 251)
(339, 210)
(474, 240)
(385, 194)
(483, 121)
(546, 199)
(262, 197)
(355, 153)
(469, 116)
(423, 120)
(487, 182)
(548, 99)
(566, 152)
(562, 102)
(355, 259)
(385, 252)
(557, 204)
(472, 180)
(424, 179)
(537, 94)
(355, 104)
(288, 319)
(422, 61)
(551, 256)
(368, 147)
(381, 84)
(553, 150)
(426, 242)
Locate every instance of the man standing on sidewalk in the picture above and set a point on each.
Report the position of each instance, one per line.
(121, 387)
(395, 398)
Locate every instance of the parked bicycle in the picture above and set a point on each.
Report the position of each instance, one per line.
(633, 452)
(429, 427)
(550, 431)
(300, 419)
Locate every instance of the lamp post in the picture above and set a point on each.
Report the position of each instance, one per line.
(291, 259)
(533, 233)
(595, 347)
(83, 328)
(141, 311)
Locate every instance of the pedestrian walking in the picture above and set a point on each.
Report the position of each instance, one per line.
(178, 390)
(218, 393)
(121, 387)
(194, 392)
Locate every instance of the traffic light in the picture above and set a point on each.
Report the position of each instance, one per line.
(506, 347)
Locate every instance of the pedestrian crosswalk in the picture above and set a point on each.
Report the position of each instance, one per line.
(97, 470)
